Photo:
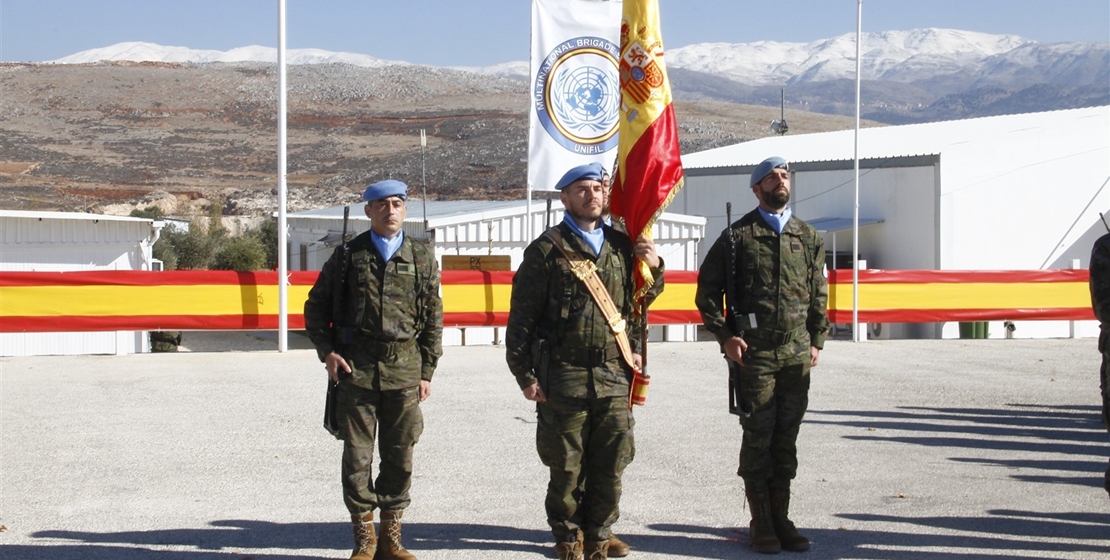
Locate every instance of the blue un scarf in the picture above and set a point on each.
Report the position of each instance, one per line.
(776, 221)
(387, 246)
(594, 238)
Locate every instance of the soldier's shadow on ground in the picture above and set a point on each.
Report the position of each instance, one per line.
(214, 541)
(1035, 532)
(468, 540)
(1072, 431)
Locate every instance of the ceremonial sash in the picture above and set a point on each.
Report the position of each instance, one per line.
(586, 271)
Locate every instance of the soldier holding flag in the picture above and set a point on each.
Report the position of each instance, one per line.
(567, 344)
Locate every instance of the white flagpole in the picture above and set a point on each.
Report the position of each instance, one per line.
(856, 336)
(283, 257)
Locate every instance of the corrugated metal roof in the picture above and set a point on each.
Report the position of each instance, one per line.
(69, 216)
(441, 212)
(887, 142)
(436, 209)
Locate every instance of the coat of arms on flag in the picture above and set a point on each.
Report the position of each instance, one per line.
(640, 74)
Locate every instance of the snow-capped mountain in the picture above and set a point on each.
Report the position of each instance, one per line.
(905, 72)
(899, 56)
(151, 52)
(891, 55)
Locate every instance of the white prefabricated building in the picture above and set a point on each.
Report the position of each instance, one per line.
(73, 241)
(1014, 192)
(484, 227)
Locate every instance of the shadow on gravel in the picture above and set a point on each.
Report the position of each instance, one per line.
(879, 545)
(246, 534)
(1071, 431)
(469, 540)
(1046, 528)
(679, 541)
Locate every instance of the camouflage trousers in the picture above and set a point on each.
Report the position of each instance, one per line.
(586, 445)
(778, 396)
(1104, 385)
(395, 419)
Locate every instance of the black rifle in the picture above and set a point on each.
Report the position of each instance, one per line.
(732, 315)
(339, 334)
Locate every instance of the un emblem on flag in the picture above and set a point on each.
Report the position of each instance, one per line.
(577, 95)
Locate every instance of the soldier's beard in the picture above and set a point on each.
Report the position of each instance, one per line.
(592, 214)
(777, 199)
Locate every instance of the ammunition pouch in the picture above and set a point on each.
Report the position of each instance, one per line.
(587, 356)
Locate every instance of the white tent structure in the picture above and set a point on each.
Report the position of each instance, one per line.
(483, 227)
(1015, 192)
(73, 241)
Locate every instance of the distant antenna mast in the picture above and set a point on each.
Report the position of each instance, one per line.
(423, 176)
(780, 127)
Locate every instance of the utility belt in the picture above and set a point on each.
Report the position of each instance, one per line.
(378, 348)
(775, 336)
(586, 356)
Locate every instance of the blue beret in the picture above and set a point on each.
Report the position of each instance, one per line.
(386, 188)
(765, 168)
(586, 171)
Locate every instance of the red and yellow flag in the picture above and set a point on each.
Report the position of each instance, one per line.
(649, 166)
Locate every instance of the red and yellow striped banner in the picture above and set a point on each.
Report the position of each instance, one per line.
(219, 300)
(131, 300)
(931, 296)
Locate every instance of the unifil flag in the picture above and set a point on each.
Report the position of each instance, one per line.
(575, 91)
(649, 169)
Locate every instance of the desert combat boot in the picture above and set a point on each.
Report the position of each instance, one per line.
(570, 549)
(366, 542)
(617, 547)
(596, 550)
(389, 540)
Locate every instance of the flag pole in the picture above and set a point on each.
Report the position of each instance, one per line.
(283, 257)
(856, 335)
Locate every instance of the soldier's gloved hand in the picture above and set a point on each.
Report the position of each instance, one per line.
(335, 363)
(534, 393)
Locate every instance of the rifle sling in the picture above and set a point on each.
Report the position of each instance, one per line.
(586, 271)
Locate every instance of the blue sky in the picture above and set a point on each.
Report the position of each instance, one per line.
(484, 32)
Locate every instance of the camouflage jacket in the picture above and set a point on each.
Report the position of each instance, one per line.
(393, 310)
(778, 278)
(551, 306)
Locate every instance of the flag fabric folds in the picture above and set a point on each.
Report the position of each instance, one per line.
(575, 90)
(649, 169)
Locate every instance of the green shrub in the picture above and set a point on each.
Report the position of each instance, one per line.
(196, 247)
(267, 235)
(244, 253)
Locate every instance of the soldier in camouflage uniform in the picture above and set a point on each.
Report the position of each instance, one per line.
(779, 295)
(1100, 301)
(565, 357)
(393, 320)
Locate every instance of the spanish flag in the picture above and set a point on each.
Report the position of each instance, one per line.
(649, 166)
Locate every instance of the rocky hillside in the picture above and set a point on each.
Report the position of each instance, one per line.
(108, 137)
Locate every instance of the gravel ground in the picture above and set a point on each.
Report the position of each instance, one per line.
(984, 449)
